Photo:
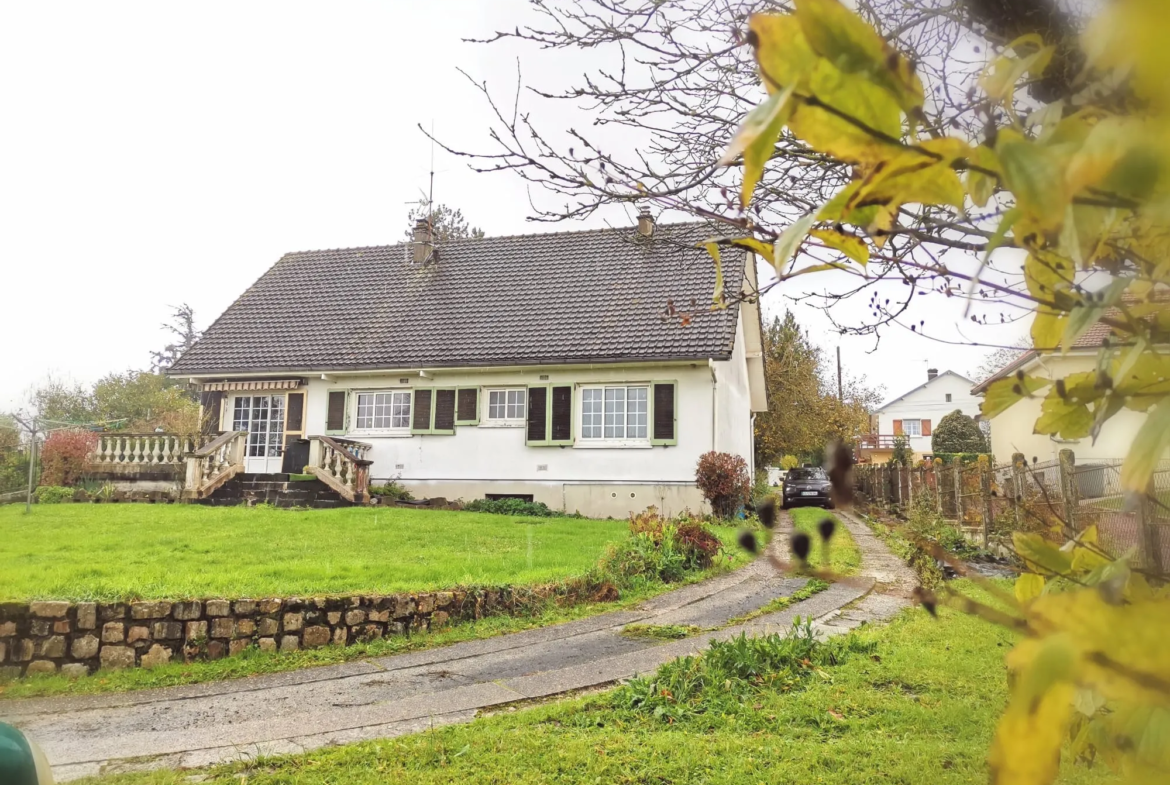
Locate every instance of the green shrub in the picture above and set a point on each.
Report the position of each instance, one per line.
(512, 507)
(53, 494)
(391, 490)
(957, 432)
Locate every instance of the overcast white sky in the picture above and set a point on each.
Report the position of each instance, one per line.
(159, 153)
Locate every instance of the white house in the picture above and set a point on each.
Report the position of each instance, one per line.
(586, 370)
(914, 414)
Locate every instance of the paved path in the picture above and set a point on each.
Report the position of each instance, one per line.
(204, 724)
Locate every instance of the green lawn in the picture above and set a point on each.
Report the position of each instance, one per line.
(125, 551)
(844, 555)
(919, 709)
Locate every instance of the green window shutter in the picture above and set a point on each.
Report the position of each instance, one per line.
(467, 406)
(560, 415)
(664, 413)
(536, 429)
(420, 415)
(443, 418)
(336, 411)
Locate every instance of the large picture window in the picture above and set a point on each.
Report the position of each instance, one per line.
(383, 411)
(615, 413)
(506, 406)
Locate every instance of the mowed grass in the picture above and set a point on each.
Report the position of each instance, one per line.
(919, 710)
(137, 551)
(844, 557)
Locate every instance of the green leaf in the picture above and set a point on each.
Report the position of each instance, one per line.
(756, 139)
(1149, 446)
(1063, 417)
(1035, 176)
(789, 240)
(1003, 393)
(1039, 554)
(862, 103)
(1028, 586)
(1047, 328)
(979, 185)
(838, 34)
(853, 247)
(1085, 315)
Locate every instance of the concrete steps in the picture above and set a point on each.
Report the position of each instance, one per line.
(277, 490)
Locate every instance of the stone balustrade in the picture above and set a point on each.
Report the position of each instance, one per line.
(128, 450)
(342, 465)
(80, 638)
(213, 464)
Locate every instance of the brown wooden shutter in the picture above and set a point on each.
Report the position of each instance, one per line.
(444, 411)
(562, 415)
(926, 427)
(664, 425)
(212, 412)
(897, 427)
(295, 412)
(422, 411)
(335, 415)
(537, 430)
(468, 405)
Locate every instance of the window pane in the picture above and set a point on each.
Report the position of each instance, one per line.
(912, 427)
(591, 405)
(615, 412)
(516, 401)
(365, 410)
(636, 412)
(400, 410)
(497, 404)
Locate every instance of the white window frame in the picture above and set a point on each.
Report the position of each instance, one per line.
(487, 421)
(403, 430)
(582, 440)
(906, 428)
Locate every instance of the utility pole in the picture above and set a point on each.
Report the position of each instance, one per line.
(32, 462)
(840, 393)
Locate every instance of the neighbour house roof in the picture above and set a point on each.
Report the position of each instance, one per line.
(925, 384)
(584, 296)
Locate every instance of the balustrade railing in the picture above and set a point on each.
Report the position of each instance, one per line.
(141, 449)
(342, 465)
(214, 463)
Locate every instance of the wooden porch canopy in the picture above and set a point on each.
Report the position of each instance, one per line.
(258, 384)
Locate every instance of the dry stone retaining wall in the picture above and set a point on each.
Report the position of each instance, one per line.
(79, 638)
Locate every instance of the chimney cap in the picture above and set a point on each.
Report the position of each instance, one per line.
(423, 241)
(645, 221)
(931, 373)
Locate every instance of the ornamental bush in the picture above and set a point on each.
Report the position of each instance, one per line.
(723, 479)
(63, 456)
(957, 433)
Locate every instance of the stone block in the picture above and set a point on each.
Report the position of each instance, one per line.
(293, 604)
(196, 630)
(167, 630)
(113, 632)
(246, 628)
(224, 627)
(293, 622)
(426, 603)
(396, 628)
(314, 617)
(39, 628)
(51, 647)
(218, 607)
(149, 610)
(290, 643)
(49, 609)
(7, 629)
(87, 615)
(382, 602)
(354, 617)
(9, 673)
(444, 600)
(158, 655)
(353, 602)
(112, 611)
(188, 611)
(315, 636)
(138, 633)
(269, 606)
(74, 670)
(267, 644)
(268, 627)
(216, 650)
(23, 652)
(41, 666)
(62, 627)
(85, 647)
(320, 603)
(117, 657)
(340, 636)
(3, 651)
(245, 607)
(237, 646)
(333, 618)
(439, 619)
(403, 607)
(379, 616)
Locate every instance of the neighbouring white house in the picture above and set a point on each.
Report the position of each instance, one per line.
(587, 370)
(914, 414)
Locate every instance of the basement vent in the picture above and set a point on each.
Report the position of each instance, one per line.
(400, 466)
(544, 377)
(404, 381)
(542, 467)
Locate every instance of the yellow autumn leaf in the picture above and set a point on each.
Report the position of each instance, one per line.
(1149, 446)
(866, 106)
(1063, 416)
(756, 139)
(853, 247)
(981, 186)
(1034, 174)
(783, 54)
(1004, 393)
(1028, 587)
(713, 249)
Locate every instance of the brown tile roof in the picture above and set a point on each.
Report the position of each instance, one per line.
(586, 296)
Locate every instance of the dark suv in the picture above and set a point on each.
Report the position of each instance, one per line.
(808, 486)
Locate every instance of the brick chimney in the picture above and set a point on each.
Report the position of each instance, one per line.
(931, 373)
(645, 221)
(424, 242)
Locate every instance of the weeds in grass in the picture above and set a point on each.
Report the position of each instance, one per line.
(814, 586)
(664, 632)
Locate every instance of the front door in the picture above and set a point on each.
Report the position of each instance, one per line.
(262, 418)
